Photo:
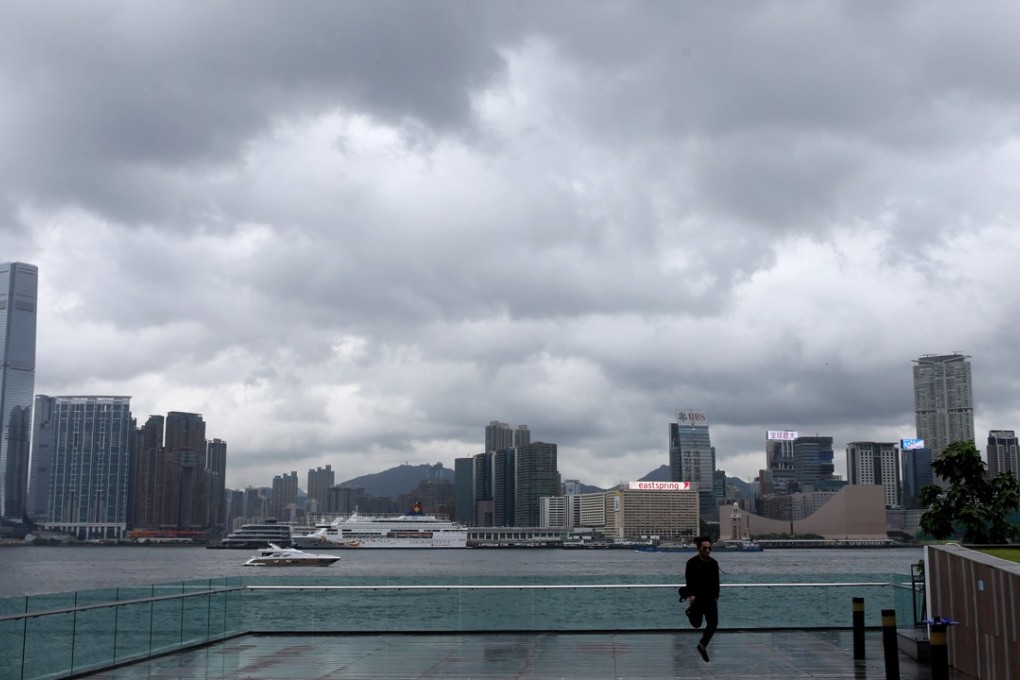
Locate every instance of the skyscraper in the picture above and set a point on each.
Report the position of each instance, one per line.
(812, 461)
(917, 472)
(875, 464)
(19, 285)
(943, 400)
(498, 436)
(89, 477)
(42, 458)
(1002, 452)
(319, 481)
(537, 475)
(692, 458)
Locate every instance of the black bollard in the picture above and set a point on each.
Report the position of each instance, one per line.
(939, 652)
(892, 652)
(858, 629)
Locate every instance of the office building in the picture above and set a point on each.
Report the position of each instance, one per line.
(537, 475)
(917, 472)
(1002, 452)
(19, 284)
(504, 487)
(463, 491)
(216, 473)
(692, 458)
(89, 474)
(42, 458)
(812, 462)
(943, 400)
(483, 489)
(779, 458)
(875, 463)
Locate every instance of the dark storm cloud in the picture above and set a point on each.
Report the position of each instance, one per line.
(357, 232)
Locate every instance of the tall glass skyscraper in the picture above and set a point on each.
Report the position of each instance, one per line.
(692, 459)
(18, 297)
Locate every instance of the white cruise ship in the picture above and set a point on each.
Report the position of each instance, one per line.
(414, 529)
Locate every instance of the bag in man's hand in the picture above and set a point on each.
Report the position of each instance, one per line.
(683, 592)
(695, 616)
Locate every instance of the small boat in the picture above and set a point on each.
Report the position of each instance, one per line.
(275, 556)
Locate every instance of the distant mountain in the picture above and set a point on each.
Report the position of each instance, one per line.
(399, 480)
(404, 478)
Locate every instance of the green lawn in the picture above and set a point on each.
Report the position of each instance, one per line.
(1011, 554)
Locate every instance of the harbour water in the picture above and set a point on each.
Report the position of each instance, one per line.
(31, 570)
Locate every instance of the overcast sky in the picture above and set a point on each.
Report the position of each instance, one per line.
(353, 233)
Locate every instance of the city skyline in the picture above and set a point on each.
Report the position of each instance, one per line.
(580, 216)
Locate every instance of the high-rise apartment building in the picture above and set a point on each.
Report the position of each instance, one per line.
(186, 452)
(151, 494)
(522, 436)
(537, 475)
(498, 436)
(42, 458)
(216, 472)
(19, 284)
(692, 458)
(285, 491)
(89, 476)
(1002, 452)
(483, 489)
(874, 464)
(943, 400)
(504, 481)
(319, 481)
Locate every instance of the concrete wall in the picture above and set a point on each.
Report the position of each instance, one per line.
(983, 594)
(855, 512)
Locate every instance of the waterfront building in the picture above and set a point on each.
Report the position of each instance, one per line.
(498, 436)
(89, 477)
(284, 498)
(483, 490)
(779, 458)
(853, 512)
(812, 461)
(592, 510)
(463, 491)
(216, 470)
(319, 482)
(553, 512)
(943, 400)
(1002, 452)
(870, 463)
(187, 471)
(151, 494)
(917, 472)
(692, 458)
(504, 487)
(537, 475)
(42, 458)
(19, 285)
(664, 513)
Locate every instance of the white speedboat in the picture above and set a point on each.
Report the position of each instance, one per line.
(275, 556)
(414, 529)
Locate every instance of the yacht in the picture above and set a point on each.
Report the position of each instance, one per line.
(413, 529)
(257, 536)
(275, 556)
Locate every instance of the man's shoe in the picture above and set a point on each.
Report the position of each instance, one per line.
(703, 652)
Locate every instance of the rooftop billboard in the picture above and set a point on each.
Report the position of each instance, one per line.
(692, 417)
(781, 435)
(659, 486)
(910, 444)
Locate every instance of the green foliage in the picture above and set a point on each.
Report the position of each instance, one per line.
(979, 506)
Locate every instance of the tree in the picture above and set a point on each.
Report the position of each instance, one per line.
(976, 504)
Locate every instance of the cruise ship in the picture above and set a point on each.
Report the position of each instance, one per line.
(413, 529)
(257, 536)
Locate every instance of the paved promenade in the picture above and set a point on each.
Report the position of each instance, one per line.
(735, 656)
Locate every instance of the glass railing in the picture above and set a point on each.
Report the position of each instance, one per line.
(56, 636)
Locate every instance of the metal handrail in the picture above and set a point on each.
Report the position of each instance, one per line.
(567, 586)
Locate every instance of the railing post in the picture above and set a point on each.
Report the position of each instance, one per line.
(939, 652)
(892, 652)
(858, 628)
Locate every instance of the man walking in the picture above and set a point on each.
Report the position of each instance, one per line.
(702, 577)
